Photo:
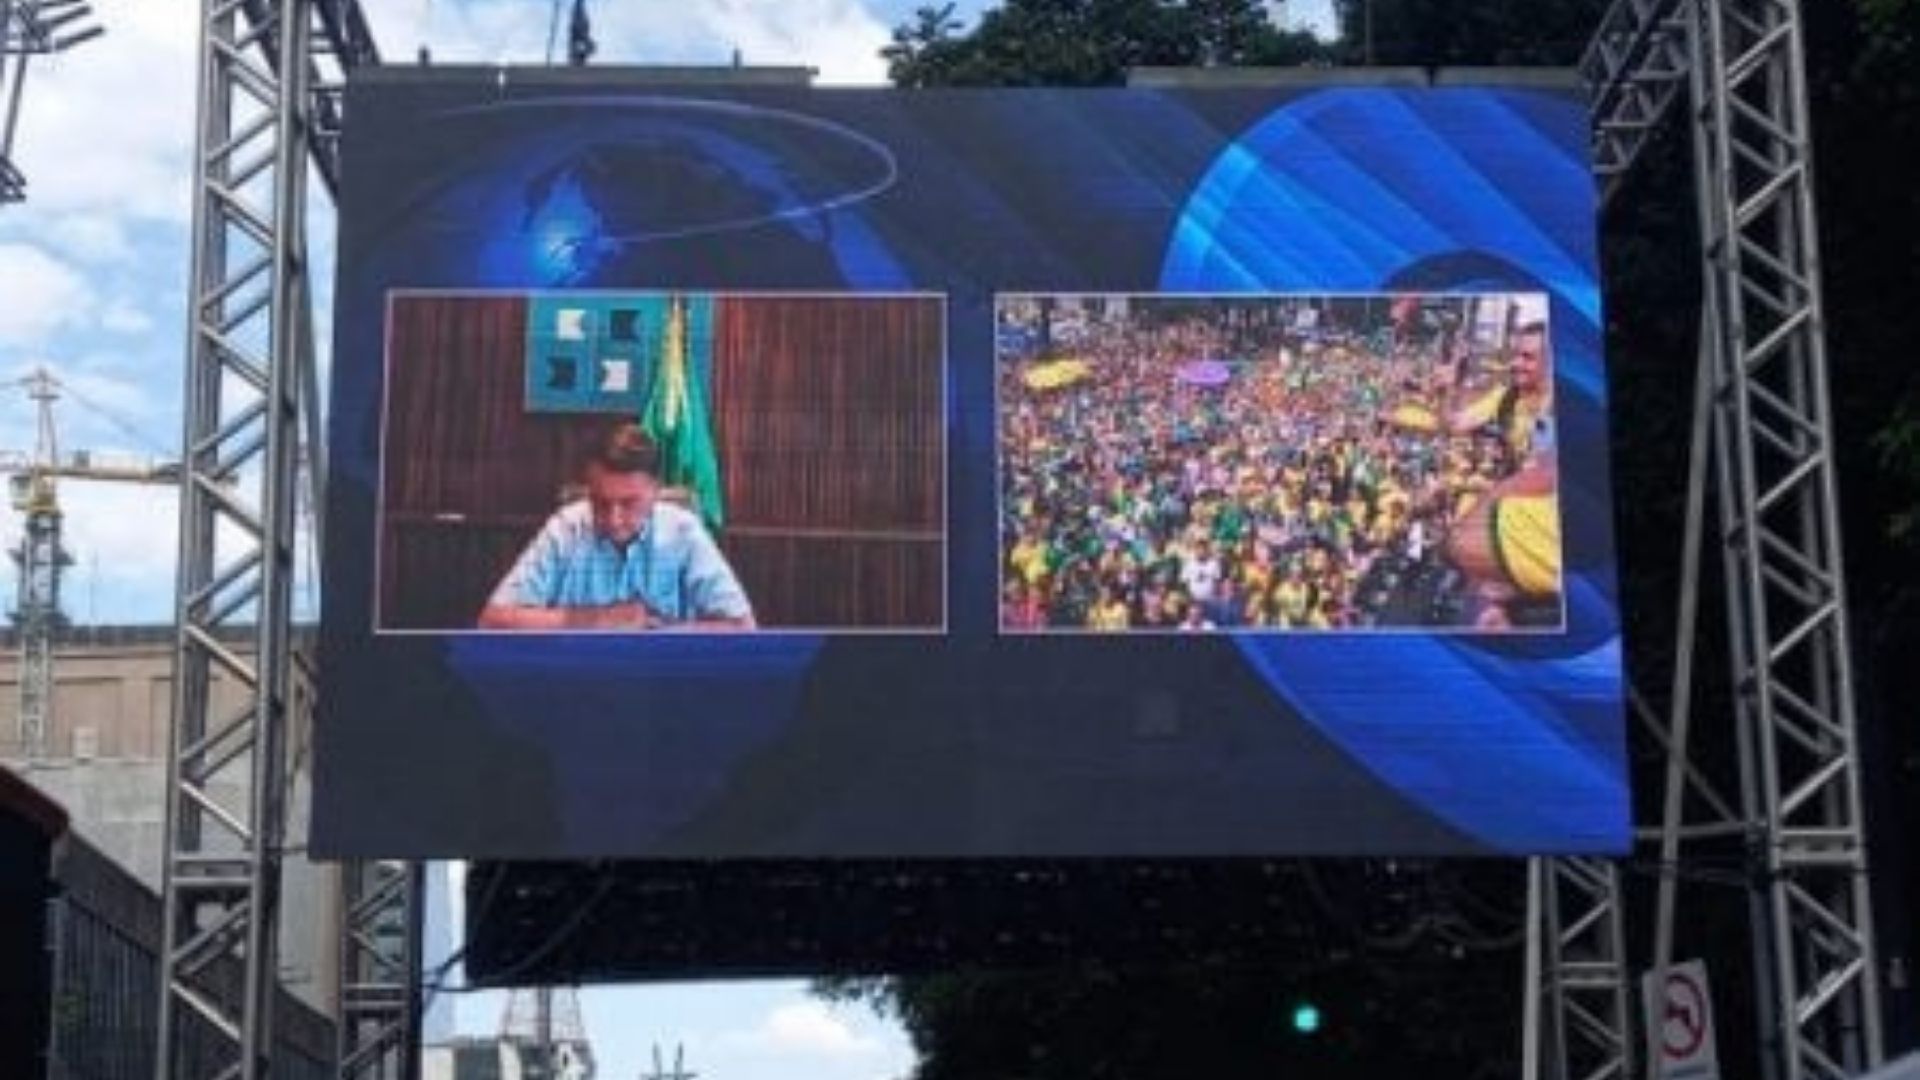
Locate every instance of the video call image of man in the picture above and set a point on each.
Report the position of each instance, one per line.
(621, 558)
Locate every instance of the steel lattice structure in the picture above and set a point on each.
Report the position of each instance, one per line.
(1576, 1016)
(379, 956)
(1635, 64)
(39, 559)
(269, 103)
(30, 28)
(227, 774)
(1763, 419)
(272, 72)
(1780, 530)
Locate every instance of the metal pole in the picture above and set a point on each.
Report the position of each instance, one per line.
(1686, 626)
(1531, 1018)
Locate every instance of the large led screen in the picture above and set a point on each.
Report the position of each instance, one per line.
(777, 472)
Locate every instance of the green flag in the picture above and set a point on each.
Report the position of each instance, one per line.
(677, 420)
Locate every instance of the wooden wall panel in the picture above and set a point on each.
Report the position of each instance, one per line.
(842, 399)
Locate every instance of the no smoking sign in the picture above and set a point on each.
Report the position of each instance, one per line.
(1680, 1023)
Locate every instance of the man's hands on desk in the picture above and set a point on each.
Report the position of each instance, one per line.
(629, 616)
(632, 615)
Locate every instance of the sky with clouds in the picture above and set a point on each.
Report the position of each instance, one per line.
(92, 287)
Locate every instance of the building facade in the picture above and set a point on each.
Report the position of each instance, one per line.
(104, 760)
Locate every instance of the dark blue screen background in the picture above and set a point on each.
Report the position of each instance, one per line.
(968, 743)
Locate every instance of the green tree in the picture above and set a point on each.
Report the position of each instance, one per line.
(1087, 42)
(1439, 33)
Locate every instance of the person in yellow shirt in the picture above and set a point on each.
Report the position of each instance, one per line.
(1385, 526)
(1028, 558)
(1320, 618)
(1507, 541)
(1109, 613)
(1256, 573)
(1290, 600)
(1259, 610)
(1521, 410)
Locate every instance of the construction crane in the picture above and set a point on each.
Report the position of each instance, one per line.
(544, 1026)
(40, 557)
(680, 1070)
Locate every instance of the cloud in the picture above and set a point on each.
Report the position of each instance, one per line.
(480, 31)
(108, 126)
(810, 1028)
(93, 238)
(123, 318)
(42, 294)
(840, 38)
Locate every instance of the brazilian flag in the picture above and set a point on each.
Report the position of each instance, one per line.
(676, 415)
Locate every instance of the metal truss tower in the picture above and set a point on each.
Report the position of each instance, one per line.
(1762, 442)
(227, 776)
(1780, 531)
(270, 77)
(379, 959)
(1576, 1012)
(39, 559)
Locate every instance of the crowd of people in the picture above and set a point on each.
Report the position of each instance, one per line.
(1237, 464)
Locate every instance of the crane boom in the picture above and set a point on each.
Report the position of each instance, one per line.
(77, 468)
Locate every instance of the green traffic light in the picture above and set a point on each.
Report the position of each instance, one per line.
(1306, 1018)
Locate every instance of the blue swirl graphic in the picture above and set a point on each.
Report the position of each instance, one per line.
(1517, 743)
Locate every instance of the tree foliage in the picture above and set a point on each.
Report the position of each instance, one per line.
(1482, 33)
(1200, 1020)
(1087, 42)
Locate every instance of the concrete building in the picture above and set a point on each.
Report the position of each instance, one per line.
(500, 1058)
(104, 761)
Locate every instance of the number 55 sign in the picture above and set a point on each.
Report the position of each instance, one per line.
(1680, 1024)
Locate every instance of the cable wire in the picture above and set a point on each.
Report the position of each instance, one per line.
(531, 958)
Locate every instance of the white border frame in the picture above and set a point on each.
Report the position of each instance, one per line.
(1001, 631)
(943, 302)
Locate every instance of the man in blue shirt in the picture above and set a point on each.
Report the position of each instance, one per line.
(620, 559)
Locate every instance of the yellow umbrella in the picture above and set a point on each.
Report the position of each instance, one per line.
(1056, 373)
(1412, 417)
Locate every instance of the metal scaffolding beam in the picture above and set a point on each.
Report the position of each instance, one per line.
(227, 776)
(379, 959)
(1580, 961)
(1634, 68)
(340, 40)
(1764, 421)
(1780, 532)
(272, 72)
(39, 559)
